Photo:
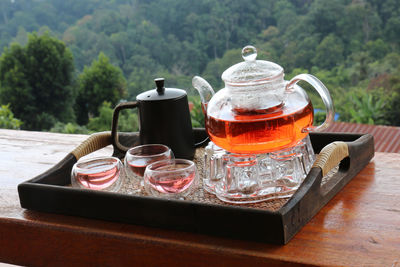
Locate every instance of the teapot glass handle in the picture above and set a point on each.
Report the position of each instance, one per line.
(323, 92)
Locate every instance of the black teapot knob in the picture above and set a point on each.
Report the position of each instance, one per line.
(160, 85)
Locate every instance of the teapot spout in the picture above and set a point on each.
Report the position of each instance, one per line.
(205, 90)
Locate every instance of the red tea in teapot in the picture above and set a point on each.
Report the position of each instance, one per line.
(258, 111)
(260, 133)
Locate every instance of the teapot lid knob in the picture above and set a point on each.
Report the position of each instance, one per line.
(160, 85)
(249, 53)
(251, 71)
(161, 93)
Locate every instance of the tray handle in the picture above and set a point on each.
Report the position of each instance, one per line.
(94, 142)
(312, 195)
(331, 155)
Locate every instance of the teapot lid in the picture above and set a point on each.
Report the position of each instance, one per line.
(251, 71)
(161, 93)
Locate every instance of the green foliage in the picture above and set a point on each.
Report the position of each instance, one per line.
(69, 128)
(35, 80)
(377, 49)
(128, 122)
(351, 46)
(366, 108)
(392, 112)
(215, 68)
(329, 53)
(98, 83)
(196, 112)
(319, 118)
(103, 121)
(7, 120)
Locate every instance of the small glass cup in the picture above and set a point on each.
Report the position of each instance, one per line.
(137, 158)
(99, 173)
(174, 178)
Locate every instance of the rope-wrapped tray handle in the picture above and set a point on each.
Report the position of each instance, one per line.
(331, 155)
(95, 142)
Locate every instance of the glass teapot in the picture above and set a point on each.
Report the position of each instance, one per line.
(258, 111)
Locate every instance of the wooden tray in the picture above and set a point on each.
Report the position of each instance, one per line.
(50, 192)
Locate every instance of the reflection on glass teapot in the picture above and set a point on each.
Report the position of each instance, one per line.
(258, 111)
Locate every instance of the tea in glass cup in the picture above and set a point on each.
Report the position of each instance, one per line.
(174, 178)
(137, 158)
(100, 173)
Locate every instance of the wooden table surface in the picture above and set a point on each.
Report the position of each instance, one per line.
(359, 226)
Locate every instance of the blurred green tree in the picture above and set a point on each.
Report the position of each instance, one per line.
(36, 81)
(98, 83)
(69, 128)
(7, 120)
(215, 68)
(366, 108)
(392, 112)
(128, 121)
(329, 53)
(196, 112)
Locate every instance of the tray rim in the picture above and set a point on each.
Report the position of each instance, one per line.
(287, 221)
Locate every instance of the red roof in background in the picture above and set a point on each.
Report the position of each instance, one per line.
(386, 138)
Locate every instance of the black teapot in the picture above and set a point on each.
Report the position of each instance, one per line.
(164, 118)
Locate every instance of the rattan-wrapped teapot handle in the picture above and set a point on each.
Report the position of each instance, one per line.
(331, 155)
(95, 142)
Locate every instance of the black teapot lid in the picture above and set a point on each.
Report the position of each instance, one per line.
(161, 93)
